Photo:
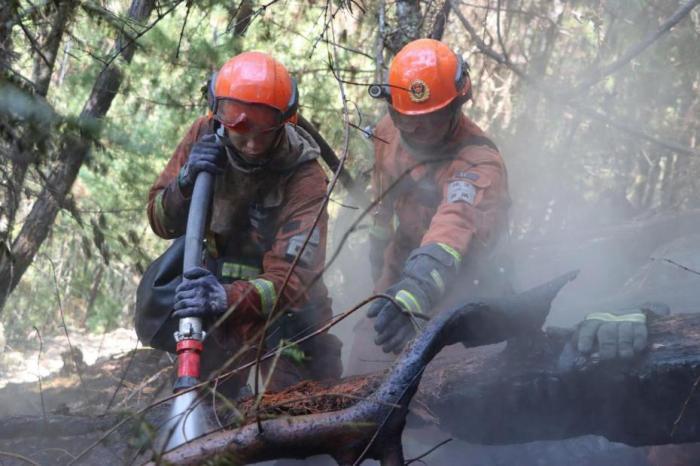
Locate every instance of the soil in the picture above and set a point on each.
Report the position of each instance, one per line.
(78, 405)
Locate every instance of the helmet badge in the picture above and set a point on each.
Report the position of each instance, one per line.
(419, 91)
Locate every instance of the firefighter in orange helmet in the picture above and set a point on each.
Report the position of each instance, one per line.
(268, 189)
(442, 190)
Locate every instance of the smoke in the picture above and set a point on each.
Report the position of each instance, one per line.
(586, 196)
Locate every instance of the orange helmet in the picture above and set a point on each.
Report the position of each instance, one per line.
(253, 91)
(425, 76)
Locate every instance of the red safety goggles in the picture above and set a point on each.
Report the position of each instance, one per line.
(244, 117)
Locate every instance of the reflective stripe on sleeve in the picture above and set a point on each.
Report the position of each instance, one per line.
(452, 252)
(160, 209)
(268, 296)
(234, 270)
(608, 317)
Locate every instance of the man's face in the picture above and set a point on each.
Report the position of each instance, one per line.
(424, 130)
(254, 145)
(252, 129)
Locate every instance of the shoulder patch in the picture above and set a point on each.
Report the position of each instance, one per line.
(461, 191)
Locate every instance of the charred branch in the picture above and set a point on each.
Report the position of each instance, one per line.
(372, 427)
(531, 390)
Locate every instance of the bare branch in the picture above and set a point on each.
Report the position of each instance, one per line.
(182, 30)
(593, 76)
(555, 97)
(440, 22)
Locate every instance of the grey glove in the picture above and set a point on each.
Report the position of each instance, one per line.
(621, 334)
(199, 295)
(207, 155)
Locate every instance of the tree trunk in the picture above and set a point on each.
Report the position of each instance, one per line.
(45, 59)
(94, 291)
(74, 151)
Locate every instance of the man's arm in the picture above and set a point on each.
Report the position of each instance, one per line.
(474, 201)
(167, 204)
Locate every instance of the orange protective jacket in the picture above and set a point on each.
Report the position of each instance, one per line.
(458, 196)
(275, 228)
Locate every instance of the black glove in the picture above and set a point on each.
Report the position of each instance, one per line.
(428, 271)
(621, 334)
(207, 155)
(199, 295)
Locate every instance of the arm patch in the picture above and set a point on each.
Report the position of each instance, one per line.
(461, 191)
(297, 241)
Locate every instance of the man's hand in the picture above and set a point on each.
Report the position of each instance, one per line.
(621, 334)
(207, 155)
(199, 295)
(396, 325)
(426, 274)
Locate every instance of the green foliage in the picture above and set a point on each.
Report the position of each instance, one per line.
(549, 147)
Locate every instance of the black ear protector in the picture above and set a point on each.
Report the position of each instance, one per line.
(462, 78)
(292, 105)
(462, 74)
(382, 91)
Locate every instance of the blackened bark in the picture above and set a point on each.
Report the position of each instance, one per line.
(408, 25)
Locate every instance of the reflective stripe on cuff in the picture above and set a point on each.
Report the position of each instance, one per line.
(233, 270)
(437, 279)
(160, 209)
(408, 301)
(637, 317)
(268, 296)
(452, 252)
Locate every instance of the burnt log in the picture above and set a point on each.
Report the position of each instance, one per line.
(531, 389)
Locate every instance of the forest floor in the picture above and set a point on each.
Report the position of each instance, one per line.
(114, 382)
(29, 379)
(23, 365)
